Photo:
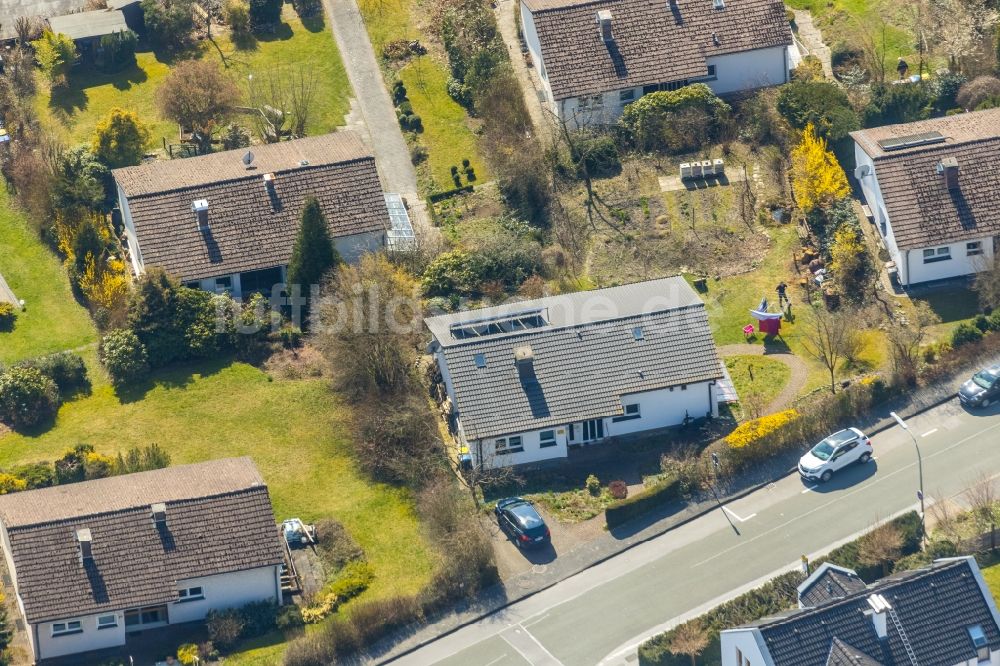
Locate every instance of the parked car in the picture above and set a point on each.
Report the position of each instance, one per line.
(834, 453)
(983, 389)
(520, 520)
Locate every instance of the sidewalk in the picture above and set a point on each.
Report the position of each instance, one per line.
(619, 540)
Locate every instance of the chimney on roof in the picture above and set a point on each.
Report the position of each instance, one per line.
(85, 541)
(524, 359)
(200, 208)
(604, 25)
(269, 181)
(948, 167)
(159, 513)
(879, 610)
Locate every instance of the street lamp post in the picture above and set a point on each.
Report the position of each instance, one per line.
(920, 470)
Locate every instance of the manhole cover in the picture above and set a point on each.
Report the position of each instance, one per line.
(539, 569)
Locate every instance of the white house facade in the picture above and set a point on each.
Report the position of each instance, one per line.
(528, 381)
(932, 187)
(93, 563)
(227, 221)
(595, 59)
(943, 614)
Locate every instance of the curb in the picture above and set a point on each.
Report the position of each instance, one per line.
(937, 402)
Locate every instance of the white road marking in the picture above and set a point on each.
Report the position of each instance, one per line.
(930, 432)
(531, 650)
(497, 660)
(733, 514)
(808, 489)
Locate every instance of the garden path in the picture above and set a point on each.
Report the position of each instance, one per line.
(812, 38)
(797, 380)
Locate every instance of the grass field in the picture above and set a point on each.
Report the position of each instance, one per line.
(992, 576)
(768, 376)
(447, 133)
(294, 430)
(53, 320)
(73, 112)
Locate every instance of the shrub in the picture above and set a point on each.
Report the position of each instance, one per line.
(36, 475)
(418, 153)
(593, 485)
(11, 484)
(308, 8)
(398, 92)
(235, 136)
(944, 89)
(168, 27)
(118, 50)
(751, 432)
(236, 14)
(374, 619)
(71, 467)
(289, 618)
(977, 91)
(618, 489)
(7, 316)
(335, 545)
(667, 490)
(187, 654)
(821, 103)
(265, 14)
(451, 272)
(676, 120)
(595, 152)
(352, 580)
(848, 555)
(965, 333)
(27, 397)
(66, 369)
(891, 104)
(124, 356)
(983, 323)
(224, 627)
(98, 466)
(258, 617)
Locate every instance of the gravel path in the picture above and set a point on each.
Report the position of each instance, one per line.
(812, 39)
(796, 382)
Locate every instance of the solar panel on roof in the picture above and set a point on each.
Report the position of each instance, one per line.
(911, 140)
(507, 323)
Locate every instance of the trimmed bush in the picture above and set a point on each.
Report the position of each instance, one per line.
(289, 618)
(751, 432)
(7, 316)
(27, 397)
(964, 334)
(676, 120)
(36, 475)
(593, 485)
(625, 510)
(618, 489)
(821, 103)
(265, 13)
(224, 627)
(66, 369)
(124, 356)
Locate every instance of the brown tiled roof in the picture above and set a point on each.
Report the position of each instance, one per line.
(653, 43)
(249, 229)
(922, 210)
(218, 520)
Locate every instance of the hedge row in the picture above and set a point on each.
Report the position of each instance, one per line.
(447, 194)
(625, 510)
(908, 525)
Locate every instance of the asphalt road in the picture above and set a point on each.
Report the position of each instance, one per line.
(601, 615)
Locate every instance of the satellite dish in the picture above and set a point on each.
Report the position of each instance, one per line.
(248, 158)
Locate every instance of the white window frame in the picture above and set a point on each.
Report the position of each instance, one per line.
(512, 444)
(67, 628)
(626, 96)
(107, 625)
(546, 439)
(186, 594)
(631, 411)
(712, 73)
(933, 255)
(973, 248)
(590, 102)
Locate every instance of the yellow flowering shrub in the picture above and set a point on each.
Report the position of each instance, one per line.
(750, 432)
(11, 484)
(107, 287)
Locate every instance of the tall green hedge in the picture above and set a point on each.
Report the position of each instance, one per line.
(625, 510)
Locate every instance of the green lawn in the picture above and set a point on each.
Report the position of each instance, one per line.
(992, 576)
(768, 376)
(74, 111)
(954, 306)
(53, 320)
(295, 431)
(447, 134)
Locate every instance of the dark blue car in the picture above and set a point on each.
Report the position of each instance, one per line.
(519, 519)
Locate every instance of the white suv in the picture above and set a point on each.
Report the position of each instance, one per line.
(835, 453)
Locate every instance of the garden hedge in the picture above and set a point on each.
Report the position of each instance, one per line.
(632, 507)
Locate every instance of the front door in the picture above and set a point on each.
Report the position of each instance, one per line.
(593, 430)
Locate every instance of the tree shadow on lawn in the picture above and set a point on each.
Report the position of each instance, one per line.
(314, 23)
(69, 99)
(179, 375)
(281, 33)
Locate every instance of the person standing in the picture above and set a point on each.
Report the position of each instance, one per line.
(782, 297)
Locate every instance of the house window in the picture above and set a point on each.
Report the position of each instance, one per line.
(506, 445)
(66, 628)
(480, 360)
(974, 248)
(631, 412)
(190, 594)
(684, 387)
(626, 96)
(932, 254)
(107, 621)
(547, 438)
(590, 102)
(711, 72)
(224, 284)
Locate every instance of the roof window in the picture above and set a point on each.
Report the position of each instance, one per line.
(980, 643)
(480, 360)
(637, 333)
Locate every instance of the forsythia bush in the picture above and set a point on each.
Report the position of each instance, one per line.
(11, 484)
(747, 434)
(817, 178)
(107, 287)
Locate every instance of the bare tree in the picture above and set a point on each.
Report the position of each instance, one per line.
(689, 639)
(24, 28)
(905, 336)
(873, 44)
(881, 547)
(828, 338)
(267, 92)
(959, 29)
(487, 469)
(984, 505)
(301, 93)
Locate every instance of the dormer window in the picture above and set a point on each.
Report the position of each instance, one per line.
(980, 643)
(719, 4)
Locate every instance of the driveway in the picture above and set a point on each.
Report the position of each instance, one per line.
(392, 156)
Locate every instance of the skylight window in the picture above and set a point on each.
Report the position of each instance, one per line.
(980, 643)
(480, 360)
(719, 4)
(637, 333)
